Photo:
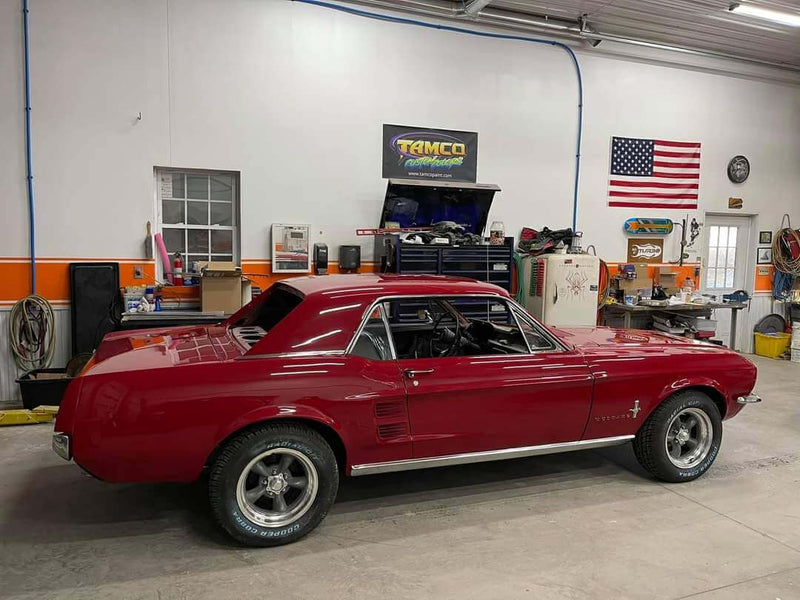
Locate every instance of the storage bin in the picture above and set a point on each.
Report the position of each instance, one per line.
(772, 345)
(43, 387)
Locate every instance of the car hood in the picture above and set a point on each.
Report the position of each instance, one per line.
(588, 338)
(167, 347)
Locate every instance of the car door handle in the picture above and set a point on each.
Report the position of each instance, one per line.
(411, 373)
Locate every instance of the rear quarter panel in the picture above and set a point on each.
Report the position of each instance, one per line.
(652, 374)
(162, 425)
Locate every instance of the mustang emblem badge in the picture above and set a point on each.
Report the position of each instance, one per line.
(635, 410)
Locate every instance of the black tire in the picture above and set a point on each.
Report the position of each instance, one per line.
(651, 446)
(239, 453)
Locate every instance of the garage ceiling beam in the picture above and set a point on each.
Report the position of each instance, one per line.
(473, 7)
(578, 30)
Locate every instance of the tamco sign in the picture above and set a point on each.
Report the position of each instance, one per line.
(417, 152)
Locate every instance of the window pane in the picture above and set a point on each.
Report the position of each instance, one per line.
(721, 253)
(712, 257)
(373, 343)
(172, 211)
(174, 240)
(177, 185)
(720, 278)
(723, 237)
(713, 232)
(731, 262)
(197, 213)
(711, 278)
(221, 214)
(222, 188)
(198, 240)
(222, 257)
(197, 187)
(191, 259)
(732, 236)
(222, 241)
(536, 340)
(728, 278)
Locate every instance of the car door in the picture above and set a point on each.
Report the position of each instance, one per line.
(473, 403)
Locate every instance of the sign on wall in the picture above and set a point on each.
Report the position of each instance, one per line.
(419, 152)
(645, 250)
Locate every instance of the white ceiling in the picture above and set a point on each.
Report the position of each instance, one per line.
(700, 24)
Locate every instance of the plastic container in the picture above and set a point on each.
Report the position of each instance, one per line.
(796, 355)
(497, 233)
(43, 387)
(796, 334)
(772, 345)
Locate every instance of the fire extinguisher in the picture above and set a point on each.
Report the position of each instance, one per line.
(177, 270)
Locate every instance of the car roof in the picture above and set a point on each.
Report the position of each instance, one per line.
(383, 284)
(334, 306)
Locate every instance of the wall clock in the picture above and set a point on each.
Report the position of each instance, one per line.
(738, 169)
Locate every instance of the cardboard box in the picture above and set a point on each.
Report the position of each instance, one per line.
(642, 271)
(220, 287)
(632, 285)
(666, 278)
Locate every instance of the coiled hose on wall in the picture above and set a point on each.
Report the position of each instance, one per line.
(31, 333)
(787, 266)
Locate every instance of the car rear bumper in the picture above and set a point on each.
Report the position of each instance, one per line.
(749, 399)
(62, 445)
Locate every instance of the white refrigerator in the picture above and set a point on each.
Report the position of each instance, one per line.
(561, 289)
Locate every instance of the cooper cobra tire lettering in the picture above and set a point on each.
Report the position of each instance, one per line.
(650, 442)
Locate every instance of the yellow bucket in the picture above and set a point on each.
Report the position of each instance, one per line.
(772, 345)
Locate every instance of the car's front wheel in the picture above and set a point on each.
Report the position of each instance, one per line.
(681, 438)
(274, 484)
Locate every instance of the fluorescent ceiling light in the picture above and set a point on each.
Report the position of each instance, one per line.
(767, 14)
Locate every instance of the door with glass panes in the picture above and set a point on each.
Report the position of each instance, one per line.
(725, 266)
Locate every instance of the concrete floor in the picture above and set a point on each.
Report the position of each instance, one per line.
(583, 525)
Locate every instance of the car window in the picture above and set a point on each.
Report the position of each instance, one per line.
(537, 339)
(454, 326)
(373, 341)
(276, 306)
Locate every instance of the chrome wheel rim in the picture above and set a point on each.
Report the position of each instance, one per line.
(277, 487)
(689, 438)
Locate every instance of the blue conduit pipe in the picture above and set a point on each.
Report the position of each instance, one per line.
(499, 36)
(28, 151)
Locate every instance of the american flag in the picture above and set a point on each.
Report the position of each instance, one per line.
(654, 173)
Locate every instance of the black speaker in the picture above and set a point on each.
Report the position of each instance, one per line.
(349, 257)
(94, 303)
(320, 259)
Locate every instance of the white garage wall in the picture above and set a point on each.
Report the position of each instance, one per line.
(293, 97)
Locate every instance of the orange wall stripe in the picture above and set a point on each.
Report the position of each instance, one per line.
(53, 275)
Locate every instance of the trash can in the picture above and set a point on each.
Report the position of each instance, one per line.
(43, 387)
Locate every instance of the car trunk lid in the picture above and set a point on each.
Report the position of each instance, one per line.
(156, 348)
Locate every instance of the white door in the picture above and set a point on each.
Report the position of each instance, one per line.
(726, 254)
(725, 262)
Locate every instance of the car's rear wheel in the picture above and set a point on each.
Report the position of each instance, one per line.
(274, 484)
(681, 438)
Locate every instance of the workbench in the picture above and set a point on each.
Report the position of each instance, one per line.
(699, 310)
(169, 318)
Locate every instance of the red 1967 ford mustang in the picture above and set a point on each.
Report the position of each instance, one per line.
(321, 377)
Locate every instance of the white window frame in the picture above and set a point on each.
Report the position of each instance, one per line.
(743, 224)
(235, 255)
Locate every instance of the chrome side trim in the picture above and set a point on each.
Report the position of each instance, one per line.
(292, 354)
(749, 399)
(486, 456)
